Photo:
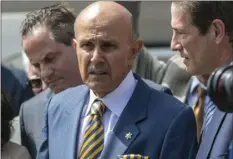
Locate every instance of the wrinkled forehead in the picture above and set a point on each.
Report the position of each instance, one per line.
(103, 27)
(104, 33)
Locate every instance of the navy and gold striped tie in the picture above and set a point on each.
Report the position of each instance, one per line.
(93, 140)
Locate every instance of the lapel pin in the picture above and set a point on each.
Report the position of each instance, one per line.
(128, 135)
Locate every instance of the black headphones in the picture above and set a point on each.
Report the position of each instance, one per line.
(220, 88)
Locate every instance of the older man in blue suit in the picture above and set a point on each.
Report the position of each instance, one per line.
(115, 114)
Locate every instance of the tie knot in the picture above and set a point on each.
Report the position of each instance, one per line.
(98, 108)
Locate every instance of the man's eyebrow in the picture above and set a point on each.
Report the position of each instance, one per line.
(175, 28)
(109, 41)
(51, 53)
(83, 39)
(178, 29)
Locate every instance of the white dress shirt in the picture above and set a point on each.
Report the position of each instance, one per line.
(114, 101)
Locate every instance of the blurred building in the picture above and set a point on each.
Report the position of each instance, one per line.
(154, 24)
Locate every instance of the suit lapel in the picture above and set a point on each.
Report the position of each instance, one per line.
(72, 118)
(118, 144)
(126, 130)
(211, 132)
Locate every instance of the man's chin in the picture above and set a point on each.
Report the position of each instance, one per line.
(99, 88)
(193, 71)
(96, 86)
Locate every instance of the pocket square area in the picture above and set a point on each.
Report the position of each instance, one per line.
(132, 156)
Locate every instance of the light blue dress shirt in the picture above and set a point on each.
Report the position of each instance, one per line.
(192, 95)
(114, 101)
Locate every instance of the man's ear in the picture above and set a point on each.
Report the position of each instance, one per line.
(135, 50)
(74, 43)
(218, 29)
(137, 46)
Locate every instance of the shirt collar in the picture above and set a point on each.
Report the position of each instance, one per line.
(195, 83)
(116, 100)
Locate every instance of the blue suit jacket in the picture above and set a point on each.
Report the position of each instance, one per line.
(215, 143)
(162, 126)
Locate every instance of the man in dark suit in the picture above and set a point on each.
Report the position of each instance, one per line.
(202, 33)
(16, 86)
(115, 114)
(47, 41)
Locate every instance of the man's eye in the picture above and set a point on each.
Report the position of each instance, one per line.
(87, 45)
(178, 32)
(108, 46)
(49, 59)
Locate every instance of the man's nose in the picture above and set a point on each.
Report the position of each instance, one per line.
(97, 56)
(175, 45)
(46, 72)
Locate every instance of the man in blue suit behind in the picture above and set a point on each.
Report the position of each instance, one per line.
(115, 114)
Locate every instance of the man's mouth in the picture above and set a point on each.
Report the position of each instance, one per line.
(185, 60)
(97, 73)
(183, 56)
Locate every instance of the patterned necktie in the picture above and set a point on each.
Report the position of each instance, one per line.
(198, 109)
(93, 141)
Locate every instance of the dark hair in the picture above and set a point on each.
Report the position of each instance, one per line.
(202, 14)
(58, 19)
(7, 116)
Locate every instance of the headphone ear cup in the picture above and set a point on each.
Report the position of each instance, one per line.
(216, 90)
(212, 84)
